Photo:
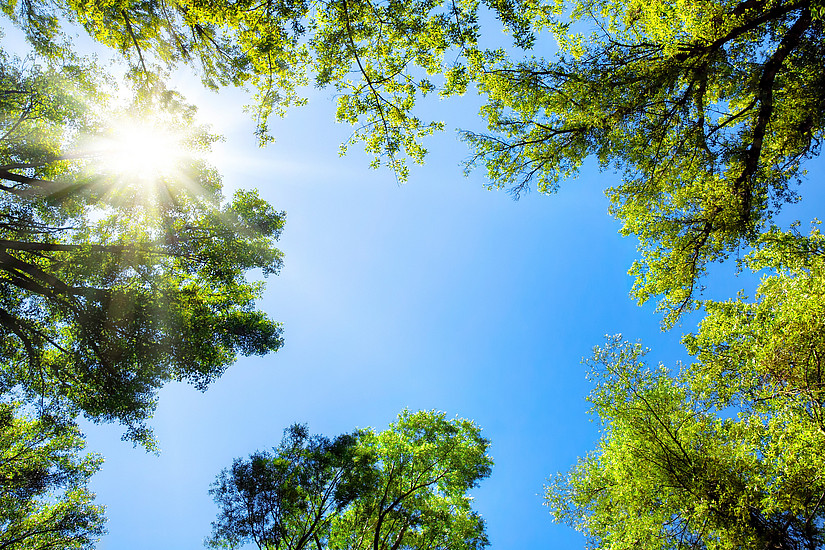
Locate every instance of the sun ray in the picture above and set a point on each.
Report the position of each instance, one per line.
(149, 160)
(142, 151)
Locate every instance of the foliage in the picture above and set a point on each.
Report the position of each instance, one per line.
(44, 500)
(276, 47)
(755, 353)
(729, 452)
(403, 488)
(113, 283)
(672, 470)
(709, 110)
(285, 498)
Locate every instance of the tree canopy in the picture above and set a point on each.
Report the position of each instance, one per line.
(671, 473)
(728, 453)
(709, 110)
(276, 47)
(403, 488)
(285, 498)
(110, 287)
(113, 282)
(757, 353)
(44, 498)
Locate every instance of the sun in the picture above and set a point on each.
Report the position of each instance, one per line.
(142, 151)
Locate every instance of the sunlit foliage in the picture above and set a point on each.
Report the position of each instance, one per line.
(113, 282)
(756, 352)
(708, 109)
(728, 452)
(401, 489)
(44, 498)
(379, 57)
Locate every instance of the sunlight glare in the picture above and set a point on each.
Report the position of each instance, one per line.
(143, 152)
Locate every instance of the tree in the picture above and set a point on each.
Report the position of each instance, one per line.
(285, 499)
(710, 111)
(44, 499)
(672, 472)
(404, 488)
(113, 283)
(728, 453)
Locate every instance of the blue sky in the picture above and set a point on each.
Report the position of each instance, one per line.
(436, 294)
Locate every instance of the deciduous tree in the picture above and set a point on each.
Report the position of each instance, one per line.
(726, 453)
(286, 498)
(403, 488)
(709, 109)
(44, 499)
(113, 282)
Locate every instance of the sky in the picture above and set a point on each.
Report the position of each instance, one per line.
(432, 295)
(436, 294)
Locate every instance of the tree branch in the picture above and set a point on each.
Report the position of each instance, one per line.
(742, 185)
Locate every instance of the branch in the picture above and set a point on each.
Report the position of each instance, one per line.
(34, 279)
(10, 321)
(375, 93)
(765, 97)
(19, 178)
(56, 247)
(769, 15)
(134, 41)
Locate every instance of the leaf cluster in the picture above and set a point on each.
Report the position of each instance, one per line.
(44, 498)
(725, 453)
(403, 488)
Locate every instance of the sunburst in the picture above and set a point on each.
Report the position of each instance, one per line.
(142, 152)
